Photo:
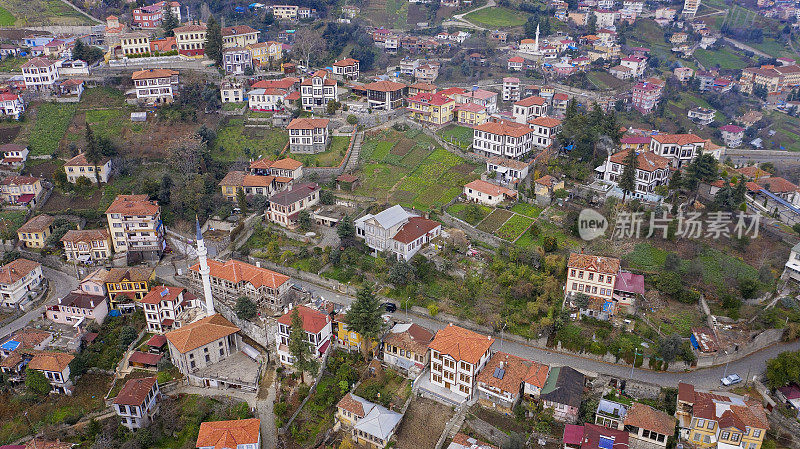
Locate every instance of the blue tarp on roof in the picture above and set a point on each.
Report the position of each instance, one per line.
(693, 340)
(780, 200)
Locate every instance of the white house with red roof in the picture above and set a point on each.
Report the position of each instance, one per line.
(317, 90)
(732, 135)
(155, 85)
(652, 170)
(151, 17)
(11, 105)
(484, 192)
(346, 68)
(18, 279)
(317, 326)
(529, 108)
(544, 130)
(396, 230)
(233, 279)
(137, 403)
(680, 149)
(268, 99)
(515, 63)
(308, 135)
(167, 308)
(457, 357)
(40, 73)
(481, 97)
(502, 138)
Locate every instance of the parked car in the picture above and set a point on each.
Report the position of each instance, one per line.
(731, 379)
(390, 307)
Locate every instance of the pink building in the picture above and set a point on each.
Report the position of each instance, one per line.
(77, 307)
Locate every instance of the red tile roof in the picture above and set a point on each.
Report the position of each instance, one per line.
(229, 434)
(515, 370)
(385, 86)
(547, 122)
(345, 62)
(238, 30)
(313, 320)
(153, 73)
(162, 293)
(646, 417)
(415, 228)
(678, 139)
(504, 128)
(461, 344)
(435, 99)
(590, 262)
(489, 188)
(533, 100)
(236, 271)
(308, 123)
(133, 205)
(646, 160)
(135, 391)
(200, 333)
(16, 270)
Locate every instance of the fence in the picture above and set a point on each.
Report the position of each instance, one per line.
(473, 233)
(153, 60)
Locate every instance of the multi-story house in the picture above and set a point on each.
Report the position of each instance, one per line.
(285, 206)
(239, 36)
(231, 91)
(167, 308)
(317, 90)
(405, 347)
(502, 138)
(732, 135)
(563, 392)
(264, 53)
(234, 279)
(14, 156)
(645, 96)
(593, 276)
(55, 367)
(40, 73)
(544, 130)
(240, 181)
(136, 43)
(385, 95)
(351, 409)
(200, 345)
(35, 232)
(507, 171)
(427, 73)
(636, 65)
(285, 12)
(701, 116)
(95, 282)
(11, 105)
(770, 77)
(792, 266)
(284, 170)
(152, 16)
(457, 356)
(236, 434)
(155, 86)
(137, 403)
(690, 8)
(610, 414)
(515, 63)
(191, 39)
(470, 114)
(127, 286)
(346, 69)
(237, 60)
(397, 231)
(511, 91)
(529, 108)
(308, 135)
(79, 166)
(500, 382)
(345, 338)
(17, 279)
(20, 190)
(652, 171)
(434, 109)
(267, 99)
(720, 420)
(136, 227)
(317, 326)
(648, 425)
(680, 149)
(77, 307)
(486, 193)
(485, 98)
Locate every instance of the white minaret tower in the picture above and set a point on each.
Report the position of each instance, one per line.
(536, 46)
(204, 270)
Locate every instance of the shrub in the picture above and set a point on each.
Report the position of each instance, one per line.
(433, 309)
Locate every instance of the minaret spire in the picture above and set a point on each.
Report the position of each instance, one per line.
(536, 46)
(205, 271)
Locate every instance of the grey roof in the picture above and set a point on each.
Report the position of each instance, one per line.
(380, 422)
(294, 194)
(389, 217)
(564, 386)
(796, 248)
(608, 407)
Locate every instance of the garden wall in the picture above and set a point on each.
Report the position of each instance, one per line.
(473, 233)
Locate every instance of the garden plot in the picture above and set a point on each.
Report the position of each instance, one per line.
(514, 227)
(422, 424)
(494, 221)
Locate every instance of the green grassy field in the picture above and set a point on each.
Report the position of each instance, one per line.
(234, 141)
(11, 64)
(329, 158)
(408, 168)
(52, 121)
(725, 58)
(497, 17)
(459, 210)
(515, 226)
(529, 210)
(41, 12)
(6, 18)
(458, 135)
(773, 48)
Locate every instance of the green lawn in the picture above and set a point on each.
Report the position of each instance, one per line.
(52, 121)
(498, 17)
(724, 57)
(457, 135)
(401, 168)
(11, 64)
(232, 106)
(471, 213)
(234, 141)
(529, 210)
(42, 12)
(10, 221)
(6, 18)
(329, 158)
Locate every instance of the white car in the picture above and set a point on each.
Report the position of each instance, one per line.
(731, 379)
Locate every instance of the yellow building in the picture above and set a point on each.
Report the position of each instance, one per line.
(135, 43)
(34, 233)
(20, 190)
(239, 36)
(716, 420)
(127, 285)
(265, 52)
(191, 40)
(285, 12)
(347, 339)
(432, 108)
(471, 114)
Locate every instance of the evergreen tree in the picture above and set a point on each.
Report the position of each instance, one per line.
(345, 228)
(627, 181)
(364, 317)
(79, 50)
(170, 22)
(591, 24)
(702, 169)
(299, 348)
(36, 383)
(213, 47)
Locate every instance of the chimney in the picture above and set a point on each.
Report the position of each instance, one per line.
(92, 303)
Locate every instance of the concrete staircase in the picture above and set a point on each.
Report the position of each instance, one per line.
(355, 153)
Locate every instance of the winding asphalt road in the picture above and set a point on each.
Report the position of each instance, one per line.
(706, 378)
(61, 283)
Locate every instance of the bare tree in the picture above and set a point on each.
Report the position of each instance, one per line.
(307, 43)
